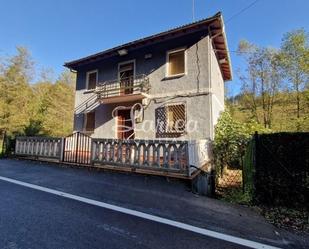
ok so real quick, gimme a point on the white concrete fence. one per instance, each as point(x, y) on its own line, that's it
point(179, 157)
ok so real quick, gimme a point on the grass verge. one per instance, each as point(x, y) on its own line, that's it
point(292, 219)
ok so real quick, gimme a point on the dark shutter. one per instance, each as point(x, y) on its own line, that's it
point(90, 121)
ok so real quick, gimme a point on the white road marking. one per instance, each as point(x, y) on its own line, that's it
point(184, 226)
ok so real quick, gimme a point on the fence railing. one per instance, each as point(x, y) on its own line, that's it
point(125, 86)
point(39, 147)
point(153, 155)
point(149, 154)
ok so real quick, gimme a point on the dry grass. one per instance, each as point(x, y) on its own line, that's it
point(231, 178)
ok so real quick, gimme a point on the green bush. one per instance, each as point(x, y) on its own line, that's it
point(230, 142)
point(248, 169)
point(237, 196)
point(233, 150)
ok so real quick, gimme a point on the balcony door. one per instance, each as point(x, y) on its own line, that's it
point(124, 125)
point(126, 77)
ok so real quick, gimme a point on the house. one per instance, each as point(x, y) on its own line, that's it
point(167, 86)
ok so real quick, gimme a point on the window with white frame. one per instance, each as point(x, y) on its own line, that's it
point(176, 62)
point(92, 79)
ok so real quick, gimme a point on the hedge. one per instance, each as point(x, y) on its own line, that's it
point(281, 162)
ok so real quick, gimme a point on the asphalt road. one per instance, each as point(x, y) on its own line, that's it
point(31, 218)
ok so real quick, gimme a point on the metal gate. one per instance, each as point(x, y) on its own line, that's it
point(77, 148)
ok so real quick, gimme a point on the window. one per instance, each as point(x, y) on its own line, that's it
point(89, 121)
point(175, 118)
point(92, 79)
point(176, 62)
point(171, 120)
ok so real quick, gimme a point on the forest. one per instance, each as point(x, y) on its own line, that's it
point(34, 105)
point(274, 85)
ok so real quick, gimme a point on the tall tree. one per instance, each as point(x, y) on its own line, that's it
point(261, 81)
point(37, 108)
point(16, 93)
point(295, 61)
point(59, 118)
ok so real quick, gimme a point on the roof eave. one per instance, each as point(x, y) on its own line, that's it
point(73, 65)
point(227, 49)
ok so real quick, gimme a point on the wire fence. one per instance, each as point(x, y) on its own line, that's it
point(281, 169)
point(229, 181)
point(274, 171)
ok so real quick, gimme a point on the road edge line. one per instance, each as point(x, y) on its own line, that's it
point(181, 225)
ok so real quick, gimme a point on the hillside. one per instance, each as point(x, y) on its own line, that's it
point(284, 111)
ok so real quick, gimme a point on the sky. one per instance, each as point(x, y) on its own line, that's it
point(56, 31)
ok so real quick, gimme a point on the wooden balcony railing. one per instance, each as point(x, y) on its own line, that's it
point(122, 87)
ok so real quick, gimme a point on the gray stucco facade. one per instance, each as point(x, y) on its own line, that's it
point(151, 85)
point(201, 88)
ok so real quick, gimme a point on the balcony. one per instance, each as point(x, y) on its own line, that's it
point(123, 90)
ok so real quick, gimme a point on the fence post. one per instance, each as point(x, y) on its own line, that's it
point(255, 145)
point(187, 158)
point(7, 143)
point(76, 147)
point(92, 151)
point(62, 148)
point(2, 146)
point(255, 161)
point(243, 172)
